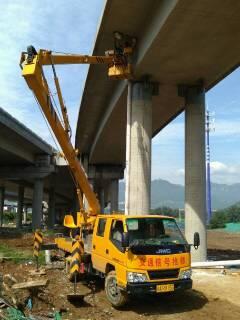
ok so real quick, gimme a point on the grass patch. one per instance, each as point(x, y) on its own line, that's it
point(17, 255)
point(49, 233)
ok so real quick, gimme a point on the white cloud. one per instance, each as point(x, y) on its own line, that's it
point(223, 173)
point(220, 172)
point(180, 172)
point(217, 167)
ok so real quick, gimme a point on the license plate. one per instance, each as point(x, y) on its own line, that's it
point(165, 287)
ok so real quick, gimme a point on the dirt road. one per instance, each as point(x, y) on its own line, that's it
point(223, 240)
point(214, 296)
point(206, 301)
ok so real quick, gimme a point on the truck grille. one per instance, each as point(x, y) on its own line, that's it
point(163, 274)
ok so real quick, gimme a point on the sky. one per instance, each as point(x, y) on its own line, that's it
point(223, 103)
point(71, 26)
point(62, 26)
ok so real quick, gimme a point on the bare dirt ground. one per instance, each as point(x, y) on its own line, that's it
point(223, 245)
point(214, 295)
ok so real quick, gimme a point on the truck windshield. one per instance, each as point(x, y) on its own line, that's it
point(154, 231)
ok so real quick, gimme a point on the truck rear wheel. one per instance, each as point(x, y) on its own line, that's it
point(116, 296)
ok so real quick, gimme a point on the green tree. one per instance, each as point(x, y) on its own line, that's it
point(9, 216)
point(218, 220)
point(233, 213)
point(165, 211)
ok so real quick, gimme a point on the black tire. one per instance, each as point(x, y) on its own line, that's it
point(115, 296)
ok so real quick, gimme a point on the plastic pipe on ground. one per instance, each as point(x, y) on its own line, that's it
point(206, 264)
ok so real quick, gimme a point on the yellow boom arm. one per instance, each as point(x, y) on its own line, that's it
point(33, 74)
point(32, 64)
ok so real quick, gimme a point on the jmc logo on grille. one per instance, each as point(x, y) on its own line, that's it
point(163, 251)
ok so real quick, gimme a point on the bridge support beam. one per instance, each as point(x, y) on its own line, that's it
point(37, 204)
point(114, 189)
point(51, 208)
point(102, 199)
point(195, 170)
point(20, 206)
point(105, 178)
point(138, 148)
point(25, 214)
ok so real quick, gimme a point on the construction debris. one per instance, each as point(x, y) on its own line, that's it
point(15, 314)
point(40, 272)
point(4, 303)
point(57, 265)
point(8, 279)
point(30, 284)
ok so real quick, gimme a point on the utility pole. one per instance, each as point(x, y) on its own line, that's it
point(209, 128)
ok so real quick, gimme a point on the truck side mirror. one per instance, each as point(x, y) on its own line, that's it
point(196, 240)
point(125, 240)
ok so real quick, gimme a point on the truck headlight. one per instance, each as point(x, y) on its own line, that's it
point(185, 274)
point(136, 277)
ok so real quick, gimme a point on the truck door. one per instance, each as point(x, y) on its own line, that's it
point(116, 251)
point(99, 245)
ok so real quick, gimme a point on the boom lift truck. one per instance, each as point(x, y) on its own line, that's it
point(136, 254)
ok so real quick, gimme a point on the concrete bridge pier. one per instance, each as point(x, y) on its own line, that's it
point(101, 195)
point(37, 203)
point(51, 208)
point(114, 191)
point(195, 171)
point(111, 192)
point(105, 178)
point(25, 214)
point(138, 148)
point(20, 206)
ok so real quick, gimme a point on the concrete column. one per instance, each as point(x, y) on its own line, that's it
point(85, 165)
point(195, 170)
point(102, 199)
point(114, 188)
point(37, 203)
point(76, 204)
point(138, 148)
point(85, 202)
point(51, 208)
point(85, 162)
point(25, 214)
point(2, 198)
point(20, 206)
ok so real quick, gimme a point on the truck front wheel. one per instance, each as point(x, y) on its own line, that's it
point(116, 296)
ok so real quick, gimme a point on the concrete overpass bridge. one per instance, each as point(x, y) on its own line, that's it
point(29, 174)
point(186, 47)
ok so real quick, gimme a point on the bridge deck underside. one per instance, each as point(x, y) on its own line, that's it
point(179, 42)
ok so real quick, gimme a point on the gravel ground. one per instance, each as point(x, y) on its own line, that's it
point(214, 295)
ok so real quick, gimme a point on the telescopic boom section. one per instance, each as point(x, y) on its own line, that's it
point(119, 67)
point(47, 58)
point(32, 72)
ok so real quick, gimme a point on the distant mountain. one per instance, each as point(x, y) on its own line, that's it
point(224, 195)
point(168, 194)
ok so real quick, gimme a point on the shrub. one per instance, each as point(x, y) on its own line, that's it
point(218, 220)
point(165, 211)
point(9, 216)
